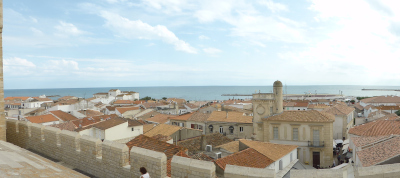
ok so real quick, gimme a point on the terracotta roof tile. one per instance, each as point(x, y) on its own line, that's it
point(302, 116)
point(92, 120)
point(163, 129)
point(122, 110)
point(108, 123)
point(358, 106)
point(43, 99)
point(201, 156)
point(111, 108)
point(395, 108)
point(246, 158)
point(90, 112)
point(16, 98)
point(382, 99)
point(160, 118)
point(42, 118)
point(223, 116)
point(271, 150)
point(380, 152)
point(148, 105)
point(148, 115)
point(231, 108)
point(183, 117)
point(315, 106)
point(124, 102)
point(169, 150)
point(133, 123)
point(214, 139)
point(65, 126)
point(63, 115)
point(386, 125)
point(232, 147)
point(301, 104)
point(161, 137)
point(339, 109)
point(191, 106)
point(148, 127)
point(362, 141)
point(67, 98)
point(199, 117)
point(67, 102)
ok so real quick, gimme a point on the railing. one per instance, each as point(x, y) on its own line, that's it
point(316, 144)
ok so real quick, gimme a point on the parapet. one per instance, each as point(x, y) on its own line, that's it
point(233, 171)
point(186, 167)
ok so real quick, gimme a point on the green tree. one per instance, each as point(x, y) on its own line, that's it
point(146, 98)
point(164, 98)
point(398, 112)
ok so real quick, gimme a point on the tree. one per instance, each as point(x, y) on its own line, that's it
point(352, 101)
point(164, 98)
point(398, 112)
point(146, 98)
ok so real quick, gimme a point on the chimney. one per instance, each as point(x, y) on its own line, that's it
point(203, 142)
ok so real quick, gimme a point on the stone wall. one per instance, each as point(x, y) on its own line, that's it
point(317, 173)
point(92, 156)
point(233, 171)
point(381, 171)
point(186, 167)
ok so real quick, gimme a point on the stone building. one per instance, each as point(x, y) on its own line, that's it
point(234, 125)
point(266, 104)
point(310, 130)
point(344, 119)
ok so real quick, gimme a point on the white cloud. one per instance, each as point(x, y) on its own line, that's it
point(36, 31)
point(273, 6)
point(15, 61)
point(211, 50)
point(33, 19)
point(136, 29)
point(202, 37)
point(63, 65)
point(68, 29)
point(167, 6)
point(151, 44)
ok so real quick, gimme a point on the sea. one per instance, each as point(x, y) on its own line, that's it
point(203, 93)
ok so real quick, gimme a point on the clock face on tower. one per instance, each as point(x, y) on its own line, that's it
point(260, 109)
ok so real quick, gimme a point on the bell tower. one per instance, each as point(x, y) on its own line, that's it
point(264, 105)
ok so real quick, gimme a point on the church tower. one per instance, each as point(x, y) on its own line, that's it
point(265, 105)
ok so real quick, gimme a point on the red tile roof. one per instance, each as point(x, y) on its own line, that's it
point(183, 117)
point(302, 116)
point(109, 123)
point(124, 102)
point(65, 126)
point(122, 110)
point(90, 112)
point(42, 118)
point(301, 104)
point(194, 144)
point(169, 150)
point(271, 150)
point(133, 123)
point(92, 120)
point(63, 115)
point(382, 99)
point(246, 158)
point(12, 98)
point(380, 152)
point(232, 116)
point(339, 109)
point(386, 125)
point(160, 118)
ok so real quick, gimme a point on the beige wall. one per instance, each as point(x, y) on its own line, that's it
point(247, 129)
point(2, 114)
point(305, 134)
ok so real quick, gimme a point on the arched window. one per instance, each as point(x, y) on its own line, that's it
point(221, 129)
point(280, 165)
point(211, 128)
point(231, 129)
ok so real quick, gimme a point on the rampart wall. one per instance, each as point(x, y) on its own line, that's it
point(111, 159)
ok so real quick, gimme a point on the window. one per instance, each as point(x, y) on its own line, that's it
point(211, 128)
point(221, 129)
point(200, 127)
point(295, 133)
point(316, 137)
point(241, 129)
point(231, 129)
point(133, 129)
point(271, 110)
point(276, 133)
point(280, 165)
point(291, 157)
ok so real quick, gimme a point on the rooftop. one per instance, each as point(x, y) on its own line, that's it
point(163, 129)
point(271, 150)
point(199, 117)
point(42, 118)
point(183, 117)
point(232, 147)
point(380, 152)
point(122, 110)
point(124, 102)
point(302, 116)
point(382, 99)
point(339, 109)
point(223, 116)
point(362, 141)
point(385, 125)
point(133, 123)
point(194, 144)
point(90, 112)
point(247, 158)
point(108, 123)
point(63, 115)
point(65, 126)
point(160, 118)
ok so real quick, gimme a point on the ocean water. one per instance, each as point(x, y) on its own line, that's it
point(207, 92)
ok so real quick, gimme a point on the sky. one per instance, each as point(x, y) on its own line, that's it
point(124, 43)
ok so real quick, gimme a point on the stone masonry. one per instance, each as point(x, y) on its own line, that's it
point(154, 162)
point(186, 167)
point(233, 171)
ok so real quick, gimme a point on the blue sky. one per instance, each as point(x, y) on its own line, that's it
point(123, 43)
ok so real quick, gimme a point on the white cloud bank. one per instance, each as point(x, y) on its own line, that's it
point(136, 29)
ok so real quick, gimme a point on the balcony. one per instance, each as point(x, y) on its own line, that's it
point(316, 144)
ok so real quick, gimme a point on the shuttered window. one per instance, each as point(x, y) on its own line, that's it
point(276, 133)
point(295, 134)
